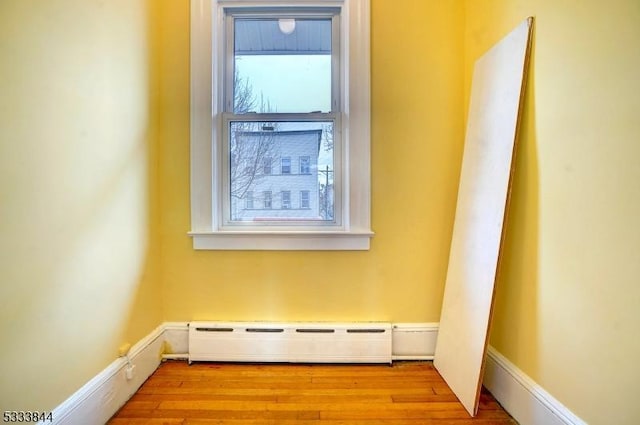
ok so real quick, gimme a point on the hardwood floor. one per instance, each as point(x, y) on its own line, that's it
point(407, 393)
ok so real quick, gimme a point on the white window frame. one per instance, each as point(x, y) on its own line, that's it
point(207, 86)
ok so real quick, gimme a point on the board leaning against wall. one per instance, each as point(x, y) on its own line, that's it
point(485, 180)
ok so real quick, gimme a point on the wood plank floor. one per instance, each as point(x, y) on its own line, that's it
point(407, 393)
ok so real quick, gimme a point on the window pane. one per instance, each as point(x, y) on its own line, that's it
point(267, 199)
point(267, 49)
point(285, 168)
point(286, 200)
point(305, 162)
point(285, 193)
point(266, 165)
point(304, 199)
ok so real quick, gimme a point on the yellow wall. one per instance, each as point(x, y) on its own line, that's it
point(94, 193)
point(568, 300)
point(417, 95)
point(77, 270)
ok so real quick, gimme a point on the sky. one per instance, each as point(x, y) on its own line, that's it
point(291, 83)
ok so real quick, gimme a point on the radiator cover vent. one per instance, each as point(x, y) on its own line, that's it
point(368, 342)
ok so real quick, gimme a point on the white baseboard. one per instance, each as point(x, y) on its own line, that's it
point(414, 341)
point(101, 397)
point(522, 397)
point(411, 341)
point(176, 336)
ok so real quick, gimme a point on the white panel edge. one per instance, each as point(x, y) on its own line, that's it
point(200, 170)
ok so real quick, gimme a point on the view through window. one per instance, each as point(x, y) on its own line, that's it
point(282, 67)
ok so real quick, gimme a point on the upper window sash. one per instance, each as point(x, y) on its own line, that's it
point(261, 14)
point(232, 14)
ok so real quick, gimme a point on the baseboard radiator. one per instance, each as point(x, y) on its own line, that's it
point(290, 342)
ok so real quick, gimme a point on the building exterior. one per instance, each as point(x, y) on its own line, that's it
point(274, 175)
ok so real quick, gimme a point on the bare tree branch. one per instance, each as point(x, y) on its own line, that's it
point(250, 145)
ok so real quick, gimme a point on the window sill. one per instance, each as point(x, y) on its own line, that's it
point(282, 241)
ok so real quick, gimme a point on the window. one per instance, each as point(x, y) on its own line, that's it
point(249, 200)
point(280, 79)
point(286, 199)
point(266, 195)
point(286, 165)
point(266, 166)
point(305, 161)
point(304, 199)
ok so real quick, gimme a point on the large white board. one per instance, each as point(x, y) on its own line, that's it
point(483, 195)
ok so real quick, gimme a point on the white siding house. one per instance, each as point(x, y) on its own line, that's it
point(275, 176)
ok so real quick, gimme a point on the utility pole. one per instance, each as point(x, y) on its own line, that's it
point(326, 172)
